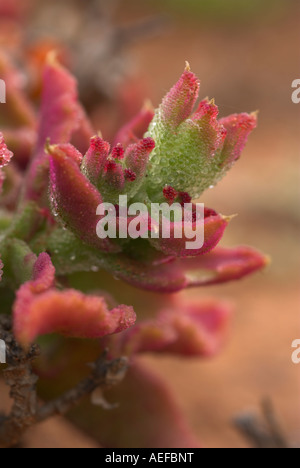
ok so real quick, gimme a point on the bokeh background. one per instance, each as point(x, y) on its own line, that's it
point(246, 54)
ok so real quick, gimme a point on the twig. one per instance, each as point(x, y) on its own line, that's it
point(262, 434)
point(19, 376)
point(274, 426)
point(22, 382)
point(101, 9)
point(145, 28)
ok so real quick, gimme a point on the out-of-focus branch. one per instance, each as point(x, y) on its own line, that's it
point(265, 433)
point(19, 376)
point(96, 41)
point(100, 61)
point(147, 27)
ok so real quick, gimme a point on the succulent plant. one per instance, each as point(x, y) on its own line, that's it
point(48, 230)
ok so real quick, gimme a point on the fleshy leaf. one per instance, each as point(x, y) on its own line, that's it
point(146, 268)
point(172, 275)
point(189, 154)
point(213, 226)
point(18, 260)
point(95, 159)
point(70, 313)
point(136, 157)
point(201, 328)
point(39, 309)
point(43, 276)
point(178, 104)
point(71, 152)
point(238, 128)
point(136, 161)
point(74, 199)
point(117, 172)
point(26, 222)
point(60, 116)
point(112, 182)
point(185, 328)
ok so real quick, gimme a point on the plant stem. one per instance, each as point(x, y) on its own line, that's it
point(20, 377)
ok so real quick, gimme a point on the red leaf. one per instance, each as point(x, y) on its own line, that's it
point(75, 199)
point(178, 104)
point(70, 313)
point(238, 127)
point(61, 115)
point(213, 226)
point(212, 133)
point(169, 274)
point(39, 309)
point(137, 156)
point(95, 159)
point(185, 328)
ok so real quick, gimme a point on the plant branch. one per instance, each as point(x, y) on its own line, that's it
point(22, 382)
point(19, 376)
point(262, 434)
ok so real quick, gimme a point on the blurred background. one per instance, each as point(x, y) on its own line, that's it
point(246, 54)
